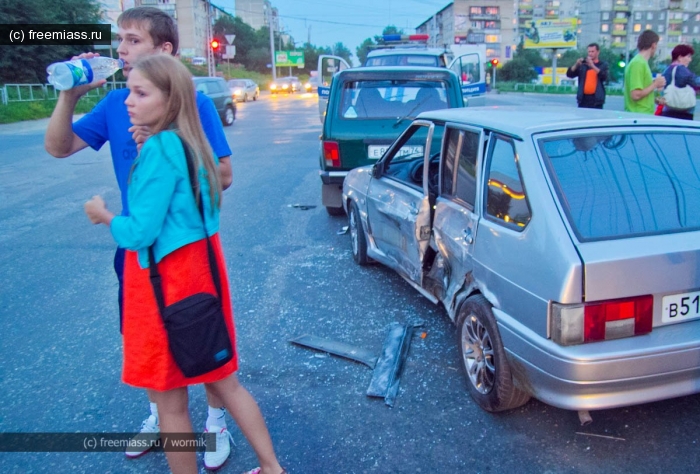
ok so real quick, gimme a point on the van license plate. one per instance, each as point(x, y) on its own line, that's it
point(375, 152)
point(680, 307)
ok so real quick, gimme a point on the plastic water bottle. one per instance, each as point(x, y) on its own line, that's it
point(68, 74)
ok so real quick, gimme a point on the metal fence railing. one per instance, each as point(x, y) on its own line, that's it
point(33, 92)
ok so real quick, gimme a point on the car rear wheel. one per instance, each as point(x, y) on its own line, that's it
point(357, 236)
point(484, 361)
point(229, 116)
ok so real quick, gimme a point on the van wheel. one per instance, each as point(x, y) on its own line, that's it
point(229, 116)
point(357, 236)
point(484, 361)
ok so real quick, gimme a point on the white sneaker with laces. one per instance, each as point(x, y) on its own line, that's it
point(215, 459)
point(147, 437)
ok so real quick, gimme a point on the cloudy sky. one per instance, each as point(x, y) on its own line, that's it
point(347, 21)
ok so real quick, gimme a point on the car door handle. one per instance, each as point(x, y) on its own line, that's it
point(468, 237)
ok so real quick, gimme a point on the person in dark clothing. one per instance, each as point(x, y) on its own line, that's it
point(592, 73)
point(680, 58)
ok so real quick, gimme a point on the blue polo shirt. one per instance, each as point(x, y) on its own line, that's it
point(109, 121)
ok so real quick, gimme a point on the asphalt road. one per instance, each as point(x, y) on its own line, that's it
point(291, 274)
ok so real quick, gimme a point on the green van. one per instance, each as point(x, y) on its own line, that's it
point(367, 108)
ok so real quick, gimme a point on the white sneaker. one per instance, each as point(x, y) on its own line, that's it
point(215, 459)
point(147, 437)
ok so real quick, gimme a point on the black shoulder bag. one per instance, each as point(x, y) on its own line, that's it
point(196, 328)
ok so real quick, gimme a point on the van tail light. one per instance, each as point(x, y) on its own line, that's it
point(331, 153)
point(600, 321)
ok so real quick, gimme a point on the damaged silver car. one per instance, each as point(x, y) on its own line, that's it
point(564, 244)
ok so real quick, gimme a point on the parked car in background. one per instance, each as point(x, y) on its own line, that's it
point(564, 244)
point(244, 89)
point(218, 91)
point(367, 109)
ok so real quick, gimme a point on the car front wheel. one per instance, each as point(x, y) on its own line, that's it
point(484, 361)
point(357, 236)
point(229, 116)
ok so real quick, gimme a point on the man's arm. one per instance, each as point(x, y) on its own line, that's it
point(60, 140)
point(658, 83)
point(603, 71)
point(225, 172)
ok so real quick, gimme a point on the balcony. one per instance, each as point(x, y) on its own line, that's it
point(617, 44)
point(674, 33)
point(674, 21)
point(619, 33)
point(621, 8)
point(622, 21)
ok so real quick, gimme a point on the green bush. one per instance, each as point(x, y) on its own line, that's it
point(38, 109)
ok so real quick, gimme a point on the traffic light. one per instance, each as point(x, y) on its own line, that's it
point(621, 63)
point(489, 64)
point(494, 62)
point(215, 45)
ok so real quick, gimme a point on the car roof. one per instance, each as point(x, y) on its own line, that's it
point(523, 121)
point(207, 78)
point(411, 71)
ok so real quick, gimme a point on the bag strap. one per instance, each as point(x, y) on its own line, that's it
point(156, 281)
point(673, 75)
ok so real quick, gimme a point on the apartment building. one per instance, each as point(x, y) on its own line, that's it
point(618, 23)
point(474, 22)
point(254, 13)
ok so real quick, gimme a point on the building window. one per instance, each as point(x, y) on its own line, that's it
point(650, 16)
point(475, 10)
point(685, 29)
point(492, 39)
point(491, 25)
point(696, 29)
point(618, 27)
point(647, 27)
point(661, 28)
point(662, 15)
point(492, 10)
point(604, 28)
point(606, 15)
point(637, 15)
point(637, 28)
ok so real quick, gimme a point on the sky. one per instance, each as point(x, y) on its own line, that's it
point(348, 21)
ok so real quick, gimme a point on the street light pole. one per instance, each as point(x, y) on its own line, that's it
point(272, 40)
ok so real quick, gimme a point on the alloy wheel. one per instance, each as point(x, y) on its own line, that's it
point(478, 354)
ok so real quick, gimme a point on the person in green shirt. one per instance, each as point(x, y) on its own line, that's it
point(639, 84)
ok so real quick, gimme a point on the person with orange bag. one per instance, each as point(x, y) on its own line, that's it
point(592, 73)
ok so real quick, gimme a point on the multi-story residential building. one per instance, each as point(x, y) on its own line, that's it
point(489, 23)
point(191, 17)
point(618, 23)
point(254, 13)
point(533, 10)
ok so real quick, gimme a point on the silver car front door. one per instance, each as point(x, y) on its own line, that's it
point(398, 206)
point(456, 211)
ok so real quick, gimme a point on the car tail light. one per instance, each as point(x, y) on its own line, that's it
point(599, 321)
point(331, 153)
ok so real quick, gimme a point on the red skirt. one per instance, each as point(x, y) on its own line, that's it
point(184, 272)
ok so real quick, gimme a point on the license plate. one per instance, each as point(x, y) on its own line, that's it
point(376, 151)
point(680, 307)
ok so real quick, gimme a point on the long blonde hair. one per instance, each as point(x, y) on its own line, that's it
point(175, 81)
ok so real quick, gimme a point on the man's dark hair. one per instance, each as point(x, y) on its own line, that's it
point(681, 50)
point(646, 40)
point(594, 45)
point(159, 24)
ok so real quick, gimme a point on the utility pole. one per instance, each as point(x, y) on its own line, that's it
point(272, 40)
point(211, 66)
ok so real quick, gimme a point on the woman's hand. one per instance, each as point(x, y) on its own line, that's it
point(97, 211)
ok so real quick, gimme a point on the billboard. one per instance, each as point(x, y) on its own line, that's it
point(289, 58)
point(551, 34)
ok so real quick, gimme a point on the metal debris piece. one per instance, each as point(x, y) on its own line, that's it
point(337, 348)
point(303, 207)
point(600, 436)
point(343, 230)
point(387, 373)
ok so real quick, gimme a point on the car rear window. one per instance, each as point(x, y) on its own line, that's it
point(391, 99)
point(627, 184)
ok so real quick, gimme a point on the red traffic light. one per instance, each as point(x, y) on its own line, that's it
point(214, 45)
point(494, 62)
